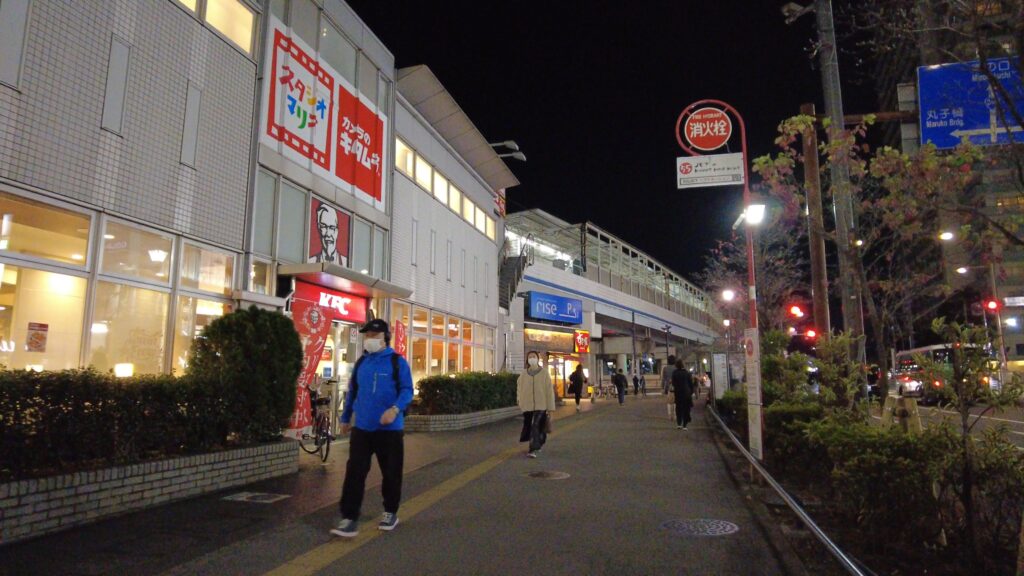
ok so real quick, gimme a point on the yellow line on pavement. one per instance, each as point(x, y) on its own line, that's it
point(326, 554)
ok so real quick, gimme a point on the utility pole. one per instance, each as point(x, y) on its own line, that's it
point(815, 226)
point(842, 201)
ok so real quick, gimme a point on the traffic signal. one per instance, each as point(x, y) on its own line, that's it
point(992, 305)
point(796, 311)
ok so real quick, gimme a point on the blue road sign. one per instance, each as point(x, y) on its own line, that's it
point(956, 101)
point(544, 306)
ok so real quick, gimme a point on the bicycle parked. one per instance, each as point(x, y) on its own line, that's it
point(318, 441)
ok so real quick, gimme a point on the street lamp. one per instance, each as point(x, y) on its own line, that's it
point(728, 295)
point(515, 155)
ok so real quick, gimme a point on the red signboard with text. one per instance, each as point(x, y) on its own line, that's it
point(581, 341)
point(707, 129)
point(400, 338)
point(360, 145)
point(313, 325)
point(336, 305)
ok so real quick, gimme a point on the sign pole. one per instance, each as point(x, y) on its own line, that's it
point(753, 353)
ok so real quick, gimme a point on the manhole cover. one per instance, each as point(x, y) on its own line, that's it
point(548, 475)
point(256, 497)
point(700, 527)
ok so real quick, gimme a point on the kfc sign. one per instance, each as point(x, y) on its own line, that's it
point(342, 306)
point(581, 341)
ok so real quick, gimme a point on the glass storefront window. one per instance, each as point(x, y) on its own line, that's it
point(136, 253)
point(419, 357)
point(437, 324)
point(41, 315)
point(454, 327)
point(437, 364)
point(400, 313)
point(467, 358)
point(419, 320)
point(34, 229)
point(480, 360)
point(191, 318)
point(489, 336)
point(467, 330)
point(404, 157)
point(207, 270)
point(489, 360)
point(478, 334)
point(128, 328)
point(261, 278)
point(453, 357)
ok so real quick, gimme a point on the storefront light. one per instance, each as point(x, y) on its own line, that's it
point(157, 255)
point(99, 328)
point(124, 370)
point(77, 257)
point(34, 367)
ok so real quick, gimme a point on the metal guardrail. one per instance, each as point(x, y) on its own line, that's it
point(850, 564)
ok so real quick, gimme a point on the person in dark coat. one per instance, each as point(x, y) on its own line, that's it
point(636, 385)
point(576, 383)
point(619, 380)
point(682, 387)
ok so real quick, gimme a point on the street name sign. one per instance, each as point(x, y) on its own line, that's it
point(956, 101)
point(711, 170)
point(707, 129)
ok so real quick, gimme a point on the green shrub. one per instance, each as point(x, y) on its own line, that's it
point(466, 392)
point(788, 449)
point(254, 356)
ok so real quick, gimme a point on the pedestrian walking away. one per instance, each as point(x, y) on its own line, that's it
point(577, 381)
point(682, 387)
point(536, 398)
point(378, 393)
point(666, 382)
point(620, 385)
point(636, 385)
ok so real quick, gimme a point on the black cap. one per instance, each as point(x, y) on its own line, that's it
point(376, 325)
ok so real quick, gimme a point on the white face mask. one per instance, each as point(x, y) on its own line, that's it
point(532, 361)
point(373, 344)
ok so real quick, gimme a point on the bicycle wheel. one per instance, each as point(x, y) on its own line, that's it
point(310, 442)
point(324, 439)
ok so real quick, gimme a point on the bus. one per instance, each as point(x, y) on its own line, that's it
point(911, 381)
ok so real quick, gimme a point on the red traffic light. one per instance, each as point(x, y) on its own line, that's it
point(812, 333)
point(796, 311)
point(992, 305)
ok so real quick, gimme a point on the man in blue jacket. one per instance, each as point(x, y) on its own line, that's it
point(378, 393)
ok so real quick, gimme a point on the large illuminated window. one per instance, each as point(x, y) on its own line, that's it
point(440, 188)
point(41, 316)
point(207, 270)
point(234, 20)
point(453, 357)
point(481, 221)
point(136, 253)
point(419, 320)
point(34, 229)
point(490, 228)
point(454, 199)
point(423, 173)
point(128, 326)
point(404, 158)
point(419, 357)
point(467, 358)
point(437, 327)
point(468, 209)
point(191, 318)
point(437, 361)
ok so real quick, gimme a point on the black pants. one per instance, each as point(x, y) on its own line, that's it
point(389, 446)
point(683, 413)
point(533, 429)
point(577, 394)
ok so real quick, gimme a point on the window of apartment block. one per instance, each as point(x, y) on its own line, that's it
point(404, 158)
point(41, 316)
point(206, 270)
point(192, 316)
point(34, 229)
point(13, 23)
point(360, 251)
point(291, 223)
point(467, 330)
point(337, 51)
point(128, 329)
point(480, 360)
point(135, 253)
point(440, 187)
point(263, 214)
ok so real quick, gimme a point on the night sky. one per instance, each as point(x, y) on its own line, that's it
point(592, 95)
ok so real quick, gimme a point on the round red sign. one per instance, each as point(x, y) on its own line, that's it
point(707, 129)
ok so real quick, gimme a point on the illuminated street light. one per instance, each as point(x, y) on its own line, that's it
point(728, 295)
point(961, 270)
point(755, 214)
point(946, 236)
point(726, 322)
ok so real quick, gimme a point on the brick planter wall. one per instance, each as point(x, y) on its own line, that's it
point(420, 423)
point(30, 508)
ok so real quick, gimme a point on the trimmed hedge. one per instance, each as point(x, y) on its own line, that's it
point(466, 392)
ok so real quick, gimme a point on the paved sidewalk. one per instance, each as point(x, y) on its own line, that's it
point(470, 506)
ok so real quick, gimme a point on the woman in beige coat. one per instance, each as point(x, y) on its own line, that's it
point(536, 397)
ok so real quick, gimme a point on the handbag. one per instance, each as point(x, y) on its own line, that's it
point(547, 424)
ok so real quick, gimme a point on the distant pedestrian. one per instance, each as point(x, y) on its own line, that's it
point(536, 398)
point(619, 379)
point(379, 391)
point(577, 380)
point(636, 385)
point(643, 385)
point(682, 387)
point(666, 374)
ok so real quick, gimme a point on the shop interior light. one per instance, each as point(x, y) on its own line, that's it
point(77, 257)
point(157, 255)
point(99, 328)
point(124, 370)
point(34, 367)
point(108, 236)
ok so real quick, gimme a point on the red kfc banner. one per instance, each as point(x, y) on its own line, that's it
point(313, 324)
point(400, 346)
point(360, 145)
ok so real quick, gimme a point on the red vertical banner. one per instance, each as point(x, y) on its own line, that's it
point(400, 341)
point(313, 324)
